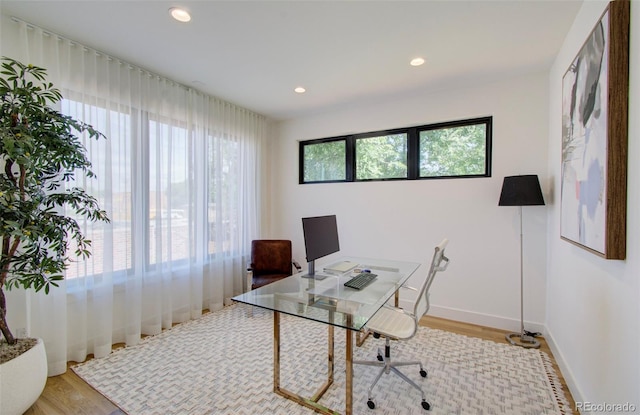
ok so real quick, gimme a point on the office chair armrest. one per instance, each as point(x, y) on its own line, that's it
point(446, 264)
point(409, 288)
point(298, 267)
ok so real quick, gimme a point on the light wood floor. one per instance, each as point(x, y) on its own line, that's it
point(68, 394)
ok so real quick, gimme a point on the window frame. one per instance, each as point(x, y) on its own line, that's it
point(349, 158)
point(374, 134)
point(140, 120)
point(413, 151)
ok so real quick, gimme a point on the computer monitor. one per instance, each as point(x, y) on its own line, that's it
point(320, 238)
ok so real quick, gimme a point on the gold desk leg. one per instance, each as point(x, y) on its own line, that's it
point(308, 402)
point(348, 396)
point(361, 336)
point(330, 362)
point(276, 351)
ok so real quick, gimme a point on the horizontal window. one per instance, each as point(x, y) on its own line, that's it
point(324, 161)
point(452, 149)
point(381, 157)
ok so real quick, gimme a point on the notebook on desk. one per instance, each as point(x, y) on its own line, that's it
point(340, 267)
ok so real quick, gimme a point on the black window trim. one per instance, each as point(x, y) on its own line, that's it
point(413, 151)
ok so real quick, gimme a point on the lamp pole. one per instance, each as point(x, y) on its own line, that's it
point(523, 190)
point(525, 339)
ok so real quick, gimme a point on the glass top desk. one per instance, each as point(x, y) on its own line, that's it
point(328, 301)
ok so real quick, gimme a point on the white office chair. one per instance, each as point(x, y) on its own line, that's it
point(397, 324)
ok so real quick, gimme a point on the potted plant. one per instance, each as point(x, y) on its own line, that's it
point(40, 155)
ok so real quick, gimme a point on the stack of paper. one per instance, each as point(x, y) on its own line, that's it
point(341, 267)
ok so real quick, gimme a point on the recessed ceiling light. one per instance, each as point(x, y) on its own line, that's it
point(179, 14)
point(417, 61)
point(300, 90)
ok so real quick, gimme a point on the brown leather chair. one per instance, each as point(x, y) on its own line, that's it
point(271, 260)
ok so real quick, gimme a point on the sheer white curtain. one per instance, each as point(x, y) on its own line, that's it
point(178, 176)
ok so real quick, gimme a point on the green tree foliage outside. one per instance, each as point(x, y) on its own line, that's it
point(450, 151)
point(382, 157)
point(325, 161)
point(458, 151)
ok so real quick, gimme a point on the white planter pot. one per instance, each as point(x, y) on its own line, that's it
point(22, 380)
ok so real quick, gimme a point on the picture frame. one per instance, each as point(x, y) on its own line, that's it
point(595, 90)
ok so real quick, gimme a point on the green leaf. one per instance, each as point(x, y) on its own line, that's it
point(44, 144)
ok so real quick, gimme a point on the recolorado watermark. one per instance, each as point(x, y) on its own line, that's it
point(605, 407)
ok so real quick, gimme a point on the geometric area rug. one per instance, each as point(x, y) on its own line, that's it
point(222, 363)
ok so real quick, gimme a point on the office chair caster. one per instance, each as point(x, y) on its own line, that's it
point(370, 404)
point(425, 405)
point(380, 357)
point(423, 373)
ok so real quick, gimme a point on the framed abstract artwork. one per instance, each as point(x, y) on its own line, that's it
point(595, 92)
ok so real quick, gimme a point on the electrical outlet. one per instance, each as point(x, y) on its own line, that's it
point(21, 333)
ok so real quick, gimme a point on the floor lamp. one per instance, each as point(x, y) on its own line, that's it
point(521, 191)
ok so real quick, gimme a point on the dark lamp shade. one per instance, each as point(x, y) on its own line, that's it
point(521, 191)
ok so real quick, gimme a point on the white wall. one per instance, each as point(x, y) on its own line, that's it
point(406, 219)
point(593, 304)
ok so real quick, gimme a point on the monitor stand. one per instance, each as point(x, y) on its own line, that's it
point(311, 266)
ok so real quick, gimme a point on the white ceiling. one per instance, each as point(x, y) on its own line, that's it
point(253, 53)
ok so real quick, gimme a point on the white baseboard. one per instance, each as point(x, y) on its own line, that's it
point(504, 323)
point(566, 371)
point(486, 320)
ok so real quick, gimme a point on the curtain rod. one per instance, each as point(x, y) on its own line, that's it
point(130, 65)
point(84, 47)
point(103, 54)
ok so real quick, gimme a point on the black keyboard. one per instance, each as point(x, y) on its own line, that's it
point(361, 280)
